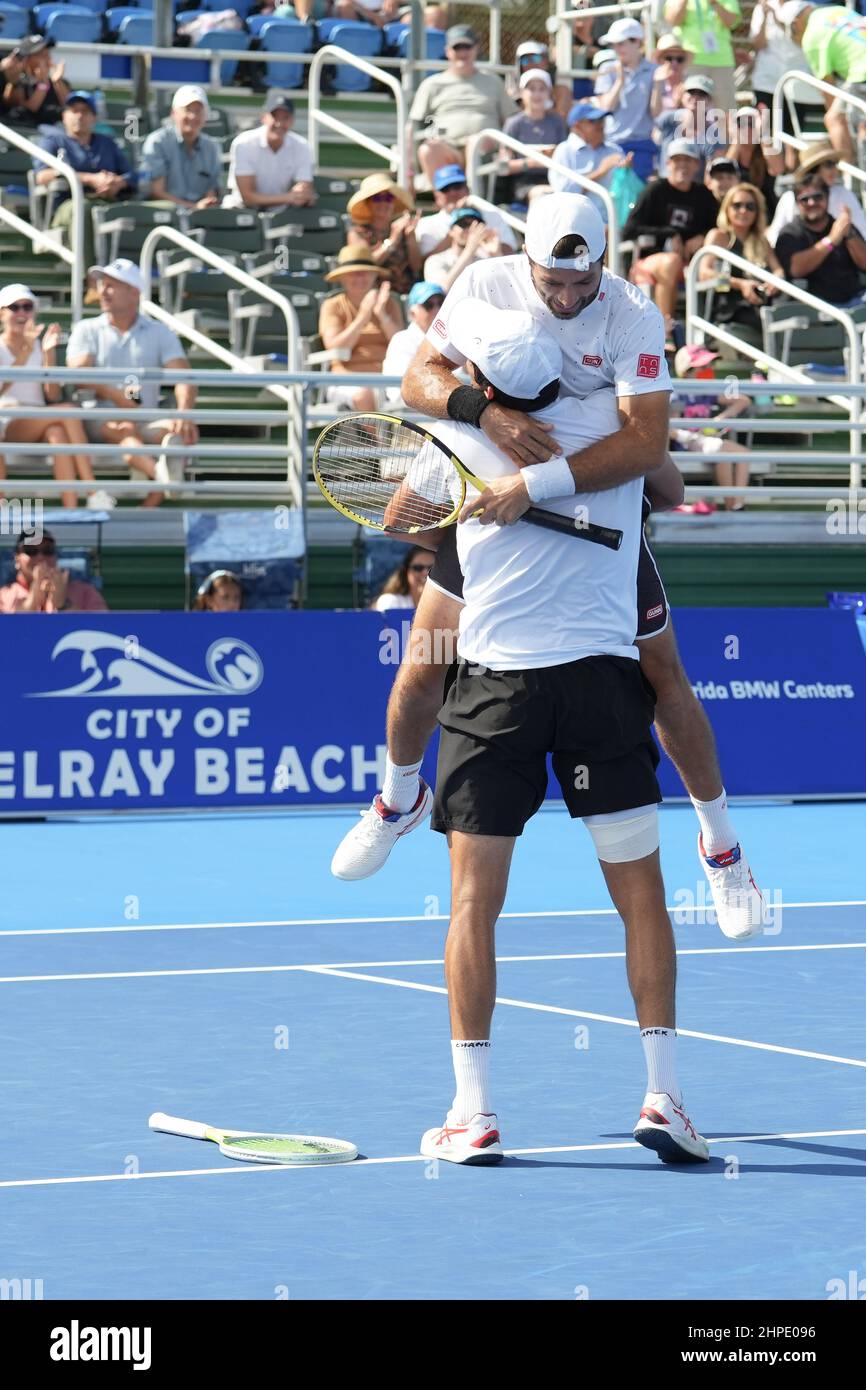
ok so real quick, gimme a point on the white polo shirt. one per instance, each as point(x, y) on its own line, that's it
point(618, 340)
point(274, 170)
point(148, 343)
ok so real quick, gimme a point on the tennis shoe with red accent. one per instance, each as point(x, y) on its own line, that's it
point(740, 909)
point(366, 847)
point(665, 1127)
point(476, 1142)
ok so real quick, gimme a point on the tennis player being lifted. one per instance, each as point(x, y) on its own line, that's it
point(611, 337)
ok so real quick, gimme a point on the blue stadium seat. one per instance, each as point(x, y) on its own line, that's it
point(15, 23)
point(228, 39)
point(364, 40)
point(69, 24)
point(26, 5)
point(115, 17)
point(397, 38)
point(285, 36)
point(241, 7)
point(94, 6)
point(136, 29)
point(43, 10)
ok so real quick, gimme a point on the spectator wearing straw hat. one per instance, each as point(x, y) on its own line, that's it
point(587, 151)
point(383, 218)
point(673, 61)
point(624, 90)
point(182, 162)
point(363, 317)
point(705, 27)
point(824, 161)
point(270, 166)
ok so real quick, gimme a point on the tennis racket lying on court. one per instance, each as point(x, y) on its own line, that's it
point(392, 475)
point(259, 1148)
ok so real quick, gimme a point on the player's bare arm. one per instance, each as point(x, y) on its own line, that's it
point(664, 487)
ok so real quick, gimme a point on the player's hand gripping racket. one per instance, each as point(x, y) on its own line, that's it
point(259, 1148)
point(392, 475)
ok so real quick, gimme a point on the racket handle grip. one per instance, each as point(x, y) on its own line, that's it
point(552, 521)
point(170, 1124)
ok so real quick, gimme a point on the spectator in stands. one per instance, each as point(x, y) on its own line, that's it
point(537, 124)
point(624, 89)
point(534, 56)
point(40, 587)
point(822, 160)
point(424, 302)
point(705, 27)
point(270, 166)
point(378, 12)
point(181, 162)
point(696, 120)
point(828, 253)
point(122, 336)
point(775, 54)
point(759, 161)
point(383, 218)
point(308, 11)
point(741, 228)
point(403, 589)
point(587, 35)
point(694, 359)
point(450, 190)
point(676, 212)
point(471, 240)
point(587, 152)
point(832, 40)
point(23, 344)
point(34, 88)
point(673, 60)
point(364, 318)
point(103, 168)
point(452, 106)
point(722, 173)
point(220, 592)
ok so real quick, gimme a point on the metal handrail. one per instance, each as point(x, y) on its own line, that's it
point(559, 24)
point(780, 136)
point(72, 254)
point(855, 346)
point(531, 152)
point(397, 157)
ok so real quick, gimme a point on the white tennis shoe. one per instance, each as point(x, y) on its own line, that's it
point(366, 847)
point(666, 1128)
point(476, 1142)
point(740, 909)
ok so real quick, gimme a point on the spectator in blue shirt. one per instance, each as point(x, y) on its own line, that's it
point(103, 169)
point(587, 152)
point(624, 89)
point(182, 163)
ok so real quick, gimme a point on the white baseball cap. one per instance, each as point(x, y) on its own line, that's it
point(127, 272)
point(185, 96)
point(559, 215)
point(10, 294)
point(623, 29)
point(791, 10)
point(513, 350)
point(534, 75)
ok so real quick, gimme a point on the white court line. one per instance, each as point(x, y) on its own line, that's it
point(366, 921)
point(248, 1168)
point(597, 1018)
point(393, 964)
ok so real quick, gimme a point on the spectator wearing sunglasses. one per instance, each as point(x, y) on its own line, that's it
point(673, 60)
point(533, 56)
point(452, 106)
point(423, 304)
point(25, 343)
point(40, 587)
point(384, 219)
point(471, 240)
point(822, 160)
point(403, 588)
point(827, 252)
point(694, 120)
point(741, 228)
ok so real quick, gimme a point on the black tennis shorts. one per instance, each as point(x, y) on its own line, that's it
point(497, 727)
point(652, 603)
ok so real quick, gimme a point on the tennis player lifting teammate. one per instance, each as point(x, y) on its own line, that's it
point(611, 337)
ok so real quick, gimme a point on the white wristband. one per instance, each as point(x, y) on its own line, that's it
point(545, 480)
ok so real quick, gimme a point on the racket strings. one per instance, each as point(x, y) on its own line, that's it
point(388, 474)
point(276, 1144)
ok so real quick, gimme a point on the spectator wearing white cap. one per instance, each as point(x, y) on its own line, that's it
point(676, 212)
point(122, 336)
point(26, 343)
point(533, 55)
point(180, 161)
point(537, 125)
point(705, 27)
point(833, 40)
point(624, 89)
point(270, 166)
point(587, 152)
point(695, 120)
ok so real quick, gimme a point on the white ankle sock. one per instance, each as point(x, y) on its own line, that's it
point(472, 1073)
point(717, 830)
point(401, 785)
point(660, 1051)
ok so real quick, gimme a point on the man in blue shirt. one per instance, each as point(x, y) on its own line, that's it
point(696, 120)
point(587, 152)
point(624, 90)
point(103, 168)
point(181, 163)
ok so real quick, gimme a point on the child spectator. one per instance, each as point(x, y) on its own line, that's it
point(220, 592)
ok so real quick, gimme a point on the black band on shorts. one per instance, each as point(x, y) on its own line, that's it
point(446, 573)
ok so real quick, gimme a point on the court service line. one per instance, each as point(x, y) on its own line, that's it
point(597, 1018)
point(394, 964)
point(369, 921)
point(249, 1168)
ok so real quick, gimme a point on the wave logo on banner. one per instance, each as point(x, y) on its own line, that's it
point(115, 666)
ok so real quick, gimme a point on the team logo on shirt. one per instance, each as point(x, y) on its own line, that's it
point(655, 612)
point(439, 327)
point(590, 361)
point(648, 364)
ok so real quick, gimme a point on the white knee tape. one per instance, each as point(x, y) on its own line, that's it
point(622, 836)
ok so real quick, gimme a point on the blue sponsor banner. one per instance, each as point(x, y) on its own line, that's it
point(142, 711)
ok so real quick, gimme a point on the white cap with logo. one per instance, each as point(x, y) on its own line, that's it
point(512, 349)
point(561, 215)
point(127, 272)
point(185, 96)
point(11, 294)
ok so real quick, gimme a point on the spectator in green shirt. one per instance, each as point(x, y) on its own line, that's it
point(704, 27)
point(833, 39)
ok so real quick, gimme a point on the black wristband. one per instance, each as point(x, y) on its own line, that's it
point(467, 405)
